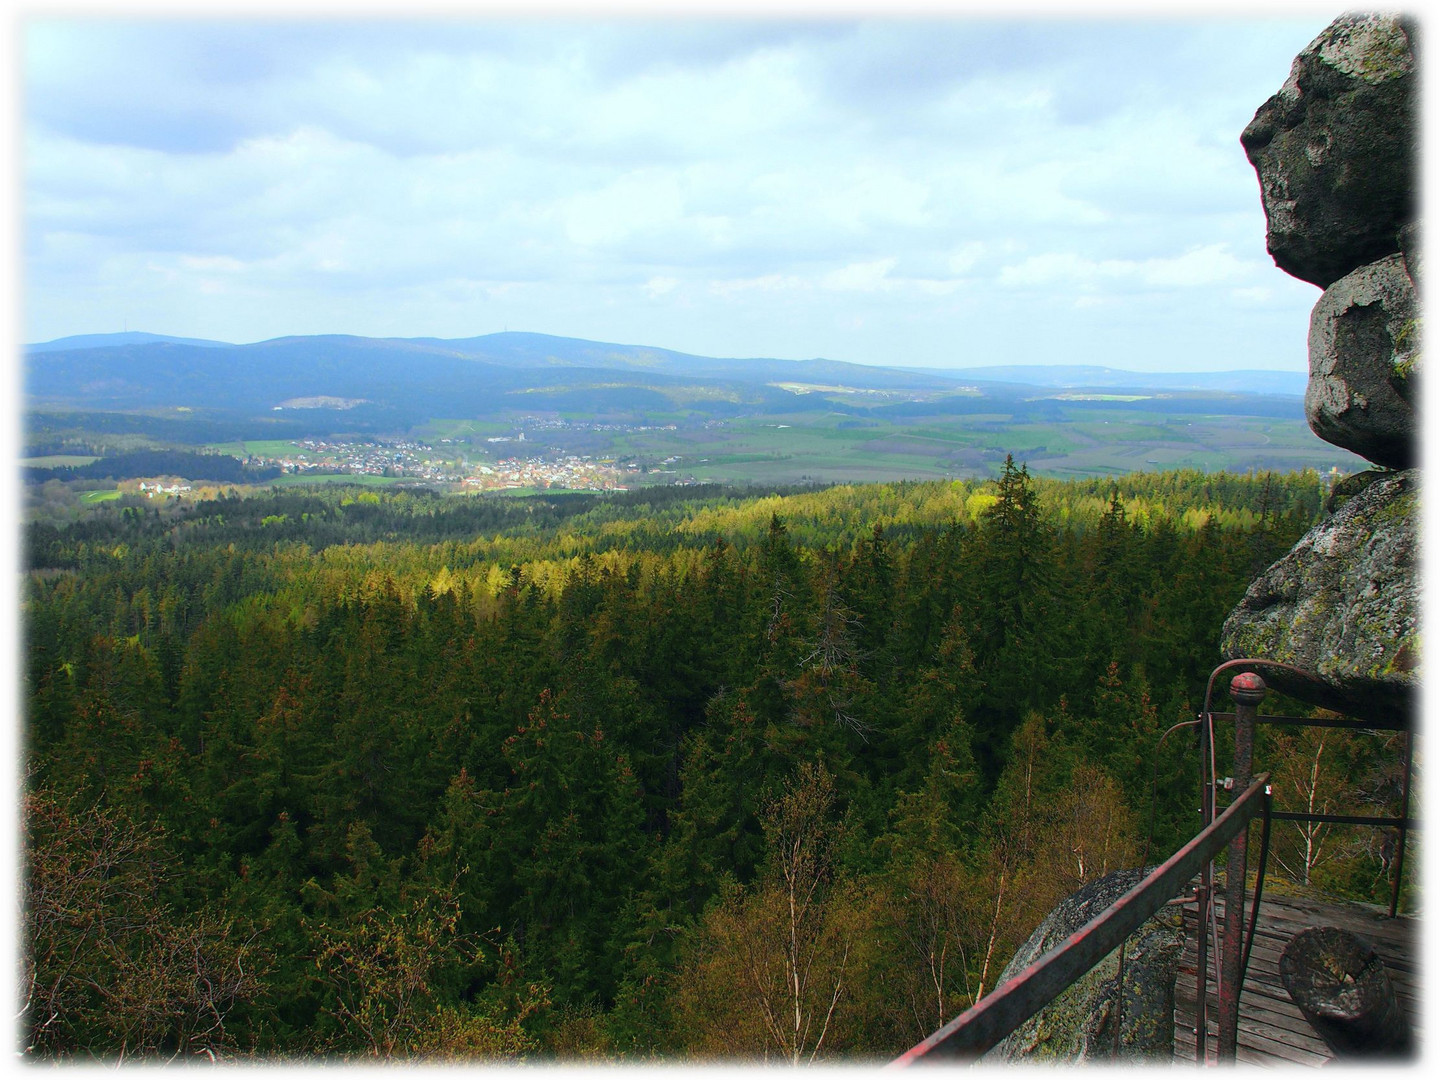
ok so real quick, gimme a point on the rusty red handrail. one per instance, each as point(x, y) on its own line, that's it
point(1009, 1005)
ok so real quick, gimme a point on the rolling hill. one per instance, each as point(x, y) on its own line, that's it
point(400, 379)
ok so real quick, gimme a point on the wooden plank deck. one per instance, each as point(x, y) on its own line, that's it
point(1272, 1031)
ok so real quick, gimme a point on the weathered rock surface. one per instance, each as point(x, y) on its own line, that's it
point(1412, 251)
point(1364, 364)
point(1335, 149)
point(1347, 487)
point(1344, 604)
point(1080, 1025)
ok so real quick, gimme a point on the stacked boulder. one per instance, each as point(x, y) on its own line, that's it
point(1335, 152)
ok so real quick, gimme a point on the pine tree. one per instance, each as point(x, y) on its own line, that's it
point(1012, 610)
point(563, 848)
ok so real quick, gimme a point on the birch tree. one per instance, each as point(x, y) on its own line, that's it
point(770, 974)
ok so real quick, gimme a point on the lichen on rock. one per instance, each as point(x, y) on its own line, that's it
point(1364, 364)
point(1344, 605)
point(1082, 1024)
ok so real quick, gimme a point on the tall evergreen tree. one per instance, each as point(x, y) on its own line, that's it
point(1014, 594)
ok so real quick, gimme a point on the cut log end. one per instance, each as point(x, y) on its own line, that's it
point(1340, 985)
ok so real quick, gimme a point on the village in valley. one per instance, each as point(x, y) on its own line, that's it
point(506, 462)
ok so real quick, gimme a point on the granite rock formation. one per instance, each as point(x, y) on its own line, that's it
point(1335, 149)
point(1335, 154)
point(1081, 1025)
point(1343, 605)
point(1364, 352)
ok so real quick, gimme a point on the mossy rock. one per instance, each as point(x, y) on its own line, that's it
point(1097, 1019)
point(1344, 605)
point(1364, 364)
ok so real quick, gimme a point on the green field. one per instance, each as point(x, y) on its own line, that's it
point(99, 496)
point(273, 448)
point(56, 461)
point(459, 430)
point(830, 447)
point(1063, 436)
point(260, 448)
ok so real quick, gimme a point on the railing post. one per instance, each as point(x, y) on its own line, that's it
point(1204, 896)
point(1404, 822)
point(1202, 960)
point(1205, 893)
point(1247, 690)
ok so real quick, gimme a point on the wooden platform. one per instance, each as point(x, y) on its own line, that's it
point(1272, 1031)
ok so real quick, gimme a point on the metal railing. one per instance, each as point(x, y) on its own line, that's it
point(1248, 690)
point(1402, 824)
point(1016, 1000)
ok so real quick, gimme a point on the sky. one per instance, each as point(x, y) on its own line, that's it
point(939, 190)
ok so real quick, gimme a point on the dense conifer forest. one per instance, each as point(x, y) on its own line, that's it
point(684, 772)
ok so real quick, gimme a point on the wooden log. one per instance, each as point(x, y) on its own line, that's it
point(1340, 985)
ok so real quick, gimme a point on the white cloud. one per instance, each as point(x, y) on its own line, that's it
point(1209, 265)
point(1052, 268)
point(709, 111)
point(921, 177)
point(965, 257)
point(860, 277)
point(933, 286)
point(212, 263)
point(1253, 296)
point(634, 202)
point(767, 283)
point(1204, 266)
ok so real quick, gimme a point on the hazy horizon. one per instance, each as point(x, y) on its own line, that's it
point(636, 344)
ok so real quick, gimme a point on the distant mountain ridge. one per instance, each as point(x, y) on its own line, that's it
point(130, 337)
point(534, 352)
